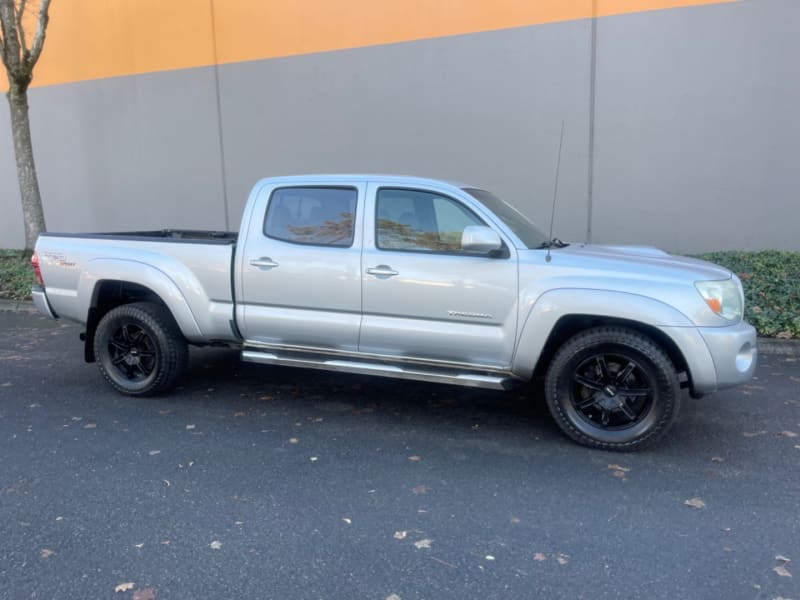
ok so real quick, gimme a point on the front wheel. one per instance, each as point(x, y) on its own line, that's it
point(140, 349)
point(612, 388)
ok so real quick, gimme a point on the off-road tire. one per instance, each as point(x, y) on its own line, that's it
point(140, 349)
point(587, 377)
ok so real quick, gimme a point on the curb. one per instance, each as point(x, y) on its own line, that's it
point(18, 306)
point(769, 346)
point(777, 347)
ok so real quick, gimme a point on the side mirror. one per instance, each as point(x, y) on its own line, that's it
point(480, 240)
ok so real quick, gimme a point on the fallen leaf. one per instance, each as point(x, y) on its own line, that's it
point(539, 556)
point(77, 418)
point(420, 489)
point(313, 459)
point(393, 597)
point(265, 398)
point(789, 434)
point(562, 559)
point(165, 543)
point(753, 433)
point(138, 545)
point(165, 411)
point(695, 503)
point(167, 482)
point(717, 459)
point(783, 559)
point(240, 414)
point(619, 474)
point(415, 458)
point(727, 549)
point(784, 335)
point(515, 520)
point(124, 587)
point(400, 535)
point(616, 467)
point(489, 557)
point(59, 518)
point(346, 520)
point(46, 553)
point(215, 545)
point(144, 594)
point(293, 440)
point(154, 452)
point(191, 426)
point(423, 544)
point(90, 426)
point(781, 570)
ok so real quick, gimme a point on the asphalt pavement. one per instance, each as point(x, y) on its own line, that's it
point(262, 482)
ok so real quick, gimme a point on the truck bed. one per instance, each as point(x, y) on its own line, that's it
point(190, 267)
point(162, 235)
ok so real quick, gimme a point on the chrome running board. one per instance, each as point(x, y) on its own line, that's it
point(381, 369)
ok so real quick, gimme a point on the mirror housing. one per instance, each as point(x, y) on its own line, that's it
point(481, 240)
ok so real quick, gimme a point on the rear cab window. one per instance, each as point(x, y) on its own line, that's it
point(317, 216)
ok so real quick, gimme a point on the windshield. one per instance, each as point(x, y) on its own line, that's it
point(513, 219)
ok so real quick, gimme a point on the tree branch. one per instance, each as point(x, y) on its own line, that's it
point(21, 27)
point(38, 39)
point(8, 25)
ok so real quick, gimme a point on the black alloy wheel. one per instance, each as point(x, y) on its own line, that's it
point(612, 388)
point(140, 349)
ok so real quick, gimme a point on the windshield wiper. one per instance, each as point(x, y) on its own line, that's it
point(554, 243)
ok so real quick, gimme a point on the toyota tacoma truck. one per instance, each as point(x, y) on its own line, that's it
point(409, 278)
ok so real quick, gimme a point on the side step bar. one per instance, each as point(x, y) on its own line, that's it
point(480, 380)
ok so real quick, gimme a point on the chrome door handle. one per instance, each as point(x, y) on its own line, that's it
point(382, 271)
point(264, 262)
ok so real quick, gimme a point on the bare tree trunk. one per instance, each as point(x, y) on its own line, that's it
point(32, 212)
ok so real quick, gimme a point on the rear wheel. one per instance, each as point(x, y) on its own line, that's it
point(612, 388)
point(140, 349)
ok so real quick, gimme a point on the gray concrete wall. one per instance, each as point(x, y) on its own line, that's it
point(695, 127)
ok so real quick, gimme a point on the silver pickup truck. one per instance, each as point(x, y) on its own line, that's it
point(409, 278)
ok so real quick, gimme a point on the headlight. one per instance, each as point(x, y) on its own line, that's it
point(723, 297)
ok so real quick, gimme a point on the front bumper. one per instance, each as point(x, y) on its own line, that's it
point(716, 357)
point(734, 351)
point(41, 303)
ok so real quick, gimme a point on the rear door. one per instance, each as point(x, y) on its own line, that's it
point(300, 267)
point(425, 298)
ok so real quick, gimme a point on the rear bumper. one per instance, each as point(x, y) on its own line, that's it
point(41, 303)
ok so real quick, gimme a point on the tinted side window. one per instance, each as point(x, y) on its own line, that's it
point(319, 216)
point(420, 221)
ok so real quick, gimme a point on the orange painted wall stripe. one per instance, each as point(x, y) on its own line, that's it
point(93, 39)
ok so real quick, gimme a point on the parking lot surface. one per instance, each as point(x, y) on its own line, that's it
point(263, 482)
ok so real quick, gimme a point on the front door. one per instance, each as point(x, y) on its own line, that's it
point(425, 298)
point(300, 281)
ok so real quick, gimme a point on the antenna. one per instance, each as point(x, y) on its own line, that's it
point(555, 195)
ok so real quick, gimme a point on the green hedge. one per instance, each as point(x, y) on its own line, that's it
point(771, 281)
point(771, 285)
point(16, 275)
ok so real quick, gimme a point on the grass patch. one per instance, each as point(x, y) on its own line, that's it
point(16, 275)
point(771, 281)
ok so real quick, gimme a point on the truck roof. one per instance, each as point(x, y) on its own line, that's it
point(370, 177)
